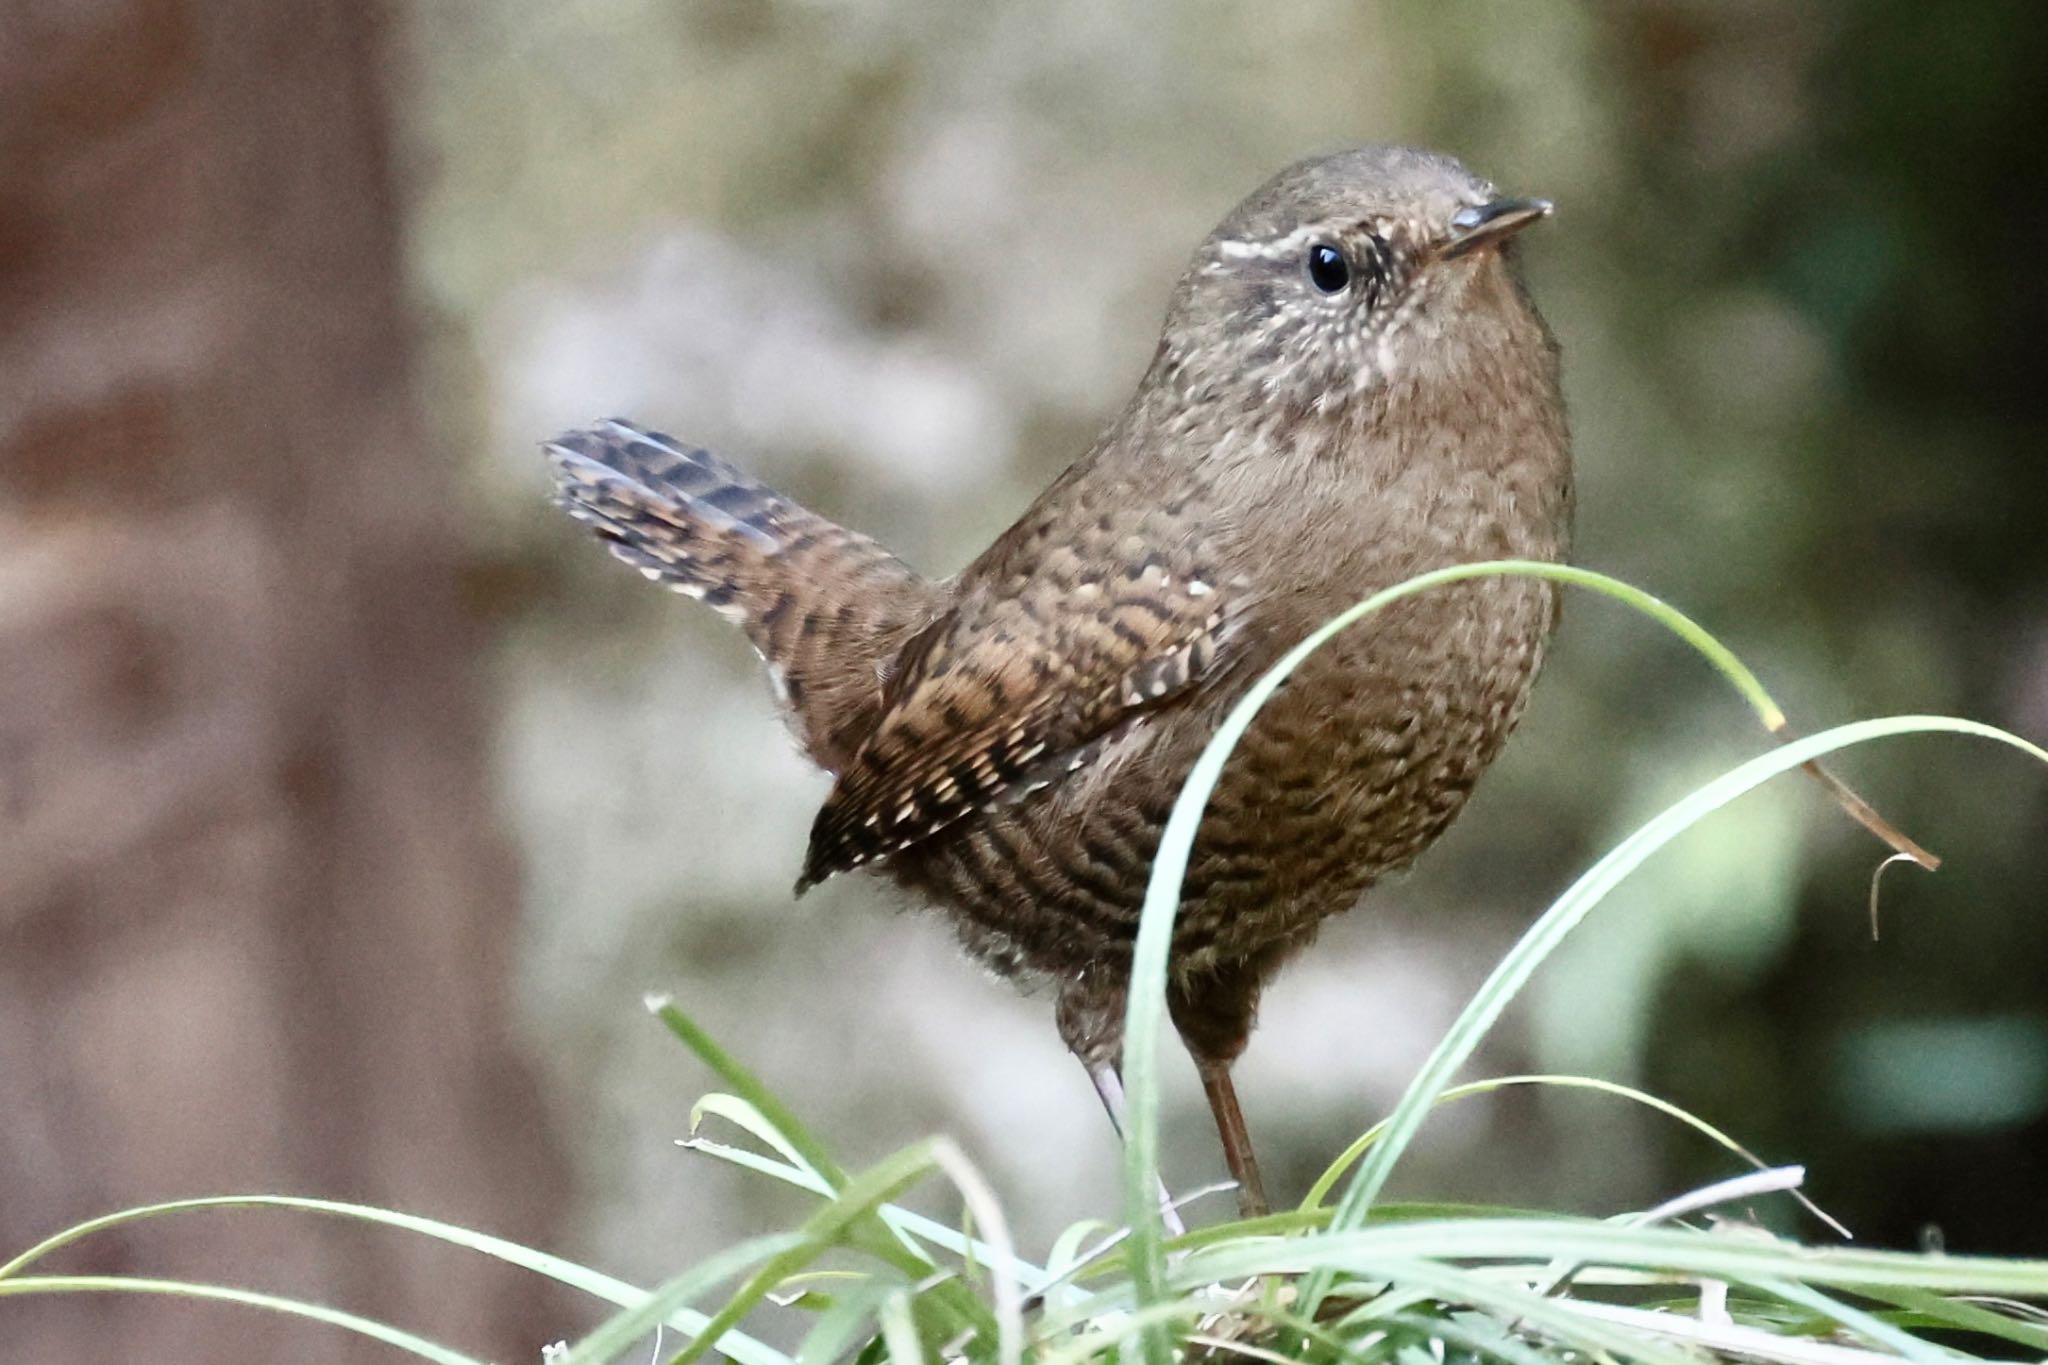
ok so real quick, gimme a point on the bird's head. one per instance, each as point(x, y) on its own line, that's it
point(1347, 273)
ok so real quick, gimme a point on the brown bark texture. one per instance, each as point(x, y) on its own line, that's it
point(255, 917)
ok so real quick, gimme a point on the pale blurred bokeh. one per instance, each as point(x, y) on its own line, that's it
point(902, 258)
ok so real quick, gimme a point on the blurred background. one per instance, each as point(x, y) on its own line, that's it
point(350, 797)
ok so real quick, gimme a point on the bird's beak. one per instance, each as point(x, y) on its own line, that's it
point(1491, 223)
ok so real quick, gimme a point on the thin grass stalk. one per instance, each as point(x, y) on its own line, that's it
point(246, 1298)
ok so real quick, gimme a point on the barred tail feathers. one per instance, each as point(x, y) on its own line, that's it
point(825, 607)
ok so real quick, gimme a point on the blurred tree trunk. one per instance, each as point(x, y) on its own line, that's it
point(255, 918)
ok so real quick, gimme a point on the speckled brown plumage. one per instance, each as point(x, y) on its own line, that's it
point(1008, 742)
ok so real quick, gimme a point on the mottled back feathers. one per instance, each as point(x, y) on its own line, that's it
point(1009, 691)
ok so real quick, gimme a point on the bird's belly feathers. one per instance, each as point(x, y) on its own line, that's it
point(1354, 768)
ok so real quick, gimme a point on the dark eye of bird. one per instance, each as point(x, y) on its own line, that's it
point(1327, 268)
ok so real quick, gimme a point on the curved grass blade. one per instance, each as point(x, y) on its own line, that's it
point(791, 1136)
point(747, 1116)
point(1572, 907)
point(748, 1087)
point(899, 1329)
point(1740, 1341)
point(1853, 1319)
point(1668, 1252)
point(1169, 868)
point(1408, 1279)
point(987, 1214)
point(843, 1324)
point(1452, 1284)
point(1958, 1315)
point(620, 1331)
point(739, 1346)
point(247, 1298)
point(1067, 1254)
point(1320, 1334)
point(1118, 1326)
point(748, 1160)
point(1482, 1346)
point(1771, 1180)
point(1334, 1172)
point(839, 1224)
point(914, 1229)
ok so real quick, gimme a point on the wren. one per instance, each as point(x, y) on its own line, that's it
point(1351, 387)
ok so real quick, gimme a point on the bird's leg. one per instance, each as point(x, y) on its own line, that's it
point(1090, 1015)
point(1237, 1139)
point(1109, 1084)
point(1213, 1011)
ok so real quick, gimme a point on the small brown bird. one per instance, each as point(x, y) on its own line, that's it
point(1352, 387)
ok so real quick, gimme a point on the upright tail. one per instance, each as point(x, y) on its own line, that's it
point(826, 607)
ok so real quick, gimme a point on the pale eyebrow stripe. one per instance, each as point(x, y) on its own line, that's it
point(1278, 248)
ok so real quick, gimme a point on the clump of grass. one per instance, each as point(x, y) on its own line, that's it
point(1346, 1278)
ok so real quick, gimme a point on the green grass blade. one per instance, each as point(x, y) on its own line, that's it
point(1106, 1339)
point(742, 1348)
point(1509, 1303)
point(913, 1228)
point(841, 1223)
point(1736, 1340)
point(1669, 1252)
point(620, 1331)
point(987, 1214)
point(1335, 1171)
point(1452, 1284)
point(1146, 1006)
point(1338, 1347)
point(1960, 1316)
point(1572, 907)
point(899, 1329)
point(1070, 1249)
point(810, 1182)
point(246, 1298)
point(748, 1087)
point(1853, 1319)
point(747, 1116)
point(1482, 1345)
point(839, 1327)
point(873, 1233)
point(1107, 1256)
point(526, 1258)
